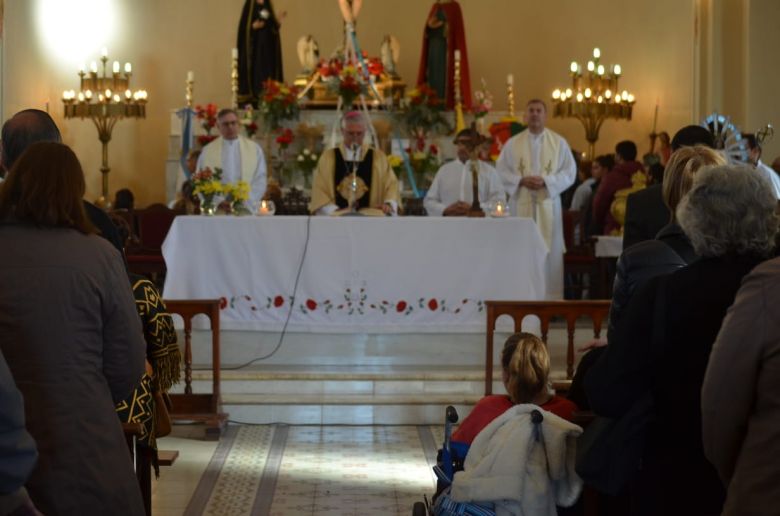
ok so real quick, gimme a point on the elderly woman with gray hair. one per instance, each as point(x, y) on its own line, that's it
point(660, 348)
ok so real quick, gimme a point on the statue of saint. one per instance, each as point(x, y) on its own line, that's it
point(444, 34)
point(259, 49)
point(350, 10)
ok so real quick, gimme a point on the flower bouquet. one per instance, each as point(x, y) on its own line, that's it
point(425, 163)
point(278, 103)
point(237, 195)
point(209, 188)
point(249, 121)
point(306, 162)
point(348, 85)
point(208, 120)
point(423, 112)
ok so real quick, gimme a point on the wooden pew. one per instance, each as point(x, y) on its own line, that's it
point(597, 311)
point(206, 408)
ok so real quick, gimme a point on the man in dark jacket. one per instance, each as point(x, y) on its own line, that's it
point(33, 125)
point(616, 179)
point(646, 213)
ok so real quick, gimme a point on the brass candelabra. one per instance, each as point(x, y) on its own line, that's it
point(593, 97)
point(105, 99)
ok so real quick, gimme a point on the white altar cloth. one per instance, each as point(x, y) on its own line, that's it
point(359, 274)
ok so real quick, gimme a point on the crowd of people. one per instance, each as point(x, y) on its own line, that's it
point(688, 360)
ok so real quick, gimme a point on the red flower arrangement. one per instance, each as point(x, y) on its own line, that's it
point(285, 138)
point(423, 112)
point(279, 102)
point(208, 120)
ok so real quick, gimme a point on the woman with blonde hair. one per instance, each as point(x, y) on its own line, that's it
point(526, 370)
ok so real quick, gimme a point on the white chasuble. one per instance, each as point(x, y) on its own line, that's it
point(537, 156)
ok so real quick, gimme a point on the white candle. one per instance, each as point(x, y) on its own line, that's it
point(190, 76)
point(457, 55)
point(263, 207)
point(510, 79)
point(128, 68)
point(234, 53)
point(115, 68)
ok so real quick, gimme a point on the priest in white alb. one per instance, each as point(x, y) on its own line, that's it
point(536, 166)
point(240, 158)
point(451, 192)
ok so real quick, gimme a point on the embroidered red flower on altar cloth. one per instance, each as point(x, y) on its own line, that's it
point(223, 303)
point(311, 304)
point(278, 301)
point(433, 305)
point(400, 307)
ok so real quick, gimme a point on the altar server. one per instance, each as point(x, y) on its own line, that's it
point(450, 193)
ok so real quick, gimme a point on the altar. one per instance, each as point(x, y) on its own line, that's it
point(354, 275)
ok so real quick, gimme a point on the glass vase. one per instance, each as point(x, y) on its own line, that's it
point(208, 204)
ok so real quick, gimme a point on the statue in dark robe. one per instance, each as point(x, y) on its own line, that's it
point(444, 34)
point(259, 49)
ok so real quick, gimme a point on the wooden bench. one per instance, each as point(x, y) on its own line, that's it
point(142, 461)
point(205, 408)
point(597, 311)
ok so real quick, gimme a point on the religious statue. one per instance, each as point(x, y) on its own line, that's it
point(308, 54)
point(259, 49)
point(444, 35)
point(350, 10)
point(389, 53)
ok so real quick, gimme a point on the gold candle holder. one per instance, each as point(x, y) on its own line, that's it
point(510, 95)
point(234, 79)
point(188, 89)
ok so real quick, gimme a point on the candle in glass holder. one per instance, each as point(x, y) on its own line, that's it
point(266, 207)
point(499, 209)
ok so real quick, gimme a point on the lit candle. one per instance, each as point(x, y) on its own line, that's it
point(93, 67)
point(591, 66)
point(234, 53)
point(116, 98)
point(116, 67)
point(88, 94)
point(596, 53)
point(128, 94)
point(557, 94)
point(588, 93)
point(600, 70)
point(108, 93)
point(574, 67)
point(81, 97)
point(617, 69)
point(579, 97)
point(263, 207)
point(128, 68)
point(190, 76)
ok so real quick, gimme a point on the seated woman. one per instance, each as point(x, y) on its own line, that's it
point(660, 347)
point(526, 368)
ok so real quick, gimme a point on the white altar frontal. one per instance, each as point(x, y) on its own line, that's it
point(354, 274)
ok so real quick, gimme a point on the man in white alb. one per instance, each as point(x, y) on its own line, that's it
point(450, 193)
point(536, 166)
point(240, 158)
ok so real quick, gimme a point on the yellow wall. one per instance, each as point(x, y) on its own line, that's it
point(653, 41)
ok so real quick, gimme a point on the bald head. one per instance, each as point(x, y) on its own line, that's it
point(23, 129)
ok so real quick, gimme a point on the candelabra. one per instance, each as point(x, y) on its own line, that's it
point(100, 100)
point(593, 97)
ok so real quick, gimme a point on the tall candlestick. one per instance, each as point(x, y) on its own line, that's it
point(510, 95)
point(234, 79)
point(188, 88)
point(460, 123)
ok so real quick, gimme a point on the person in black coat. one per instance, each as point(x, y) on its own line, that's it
point(661, 345)
point(646, 213)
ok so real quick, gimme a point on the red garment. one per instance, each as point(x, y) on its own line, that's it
point(616, 179)
point(456, 40)
point(490, 407)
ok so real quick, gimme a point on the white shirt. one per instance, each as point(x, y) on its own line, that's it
point(582, 195)
point(453, 183)
point(231, 169)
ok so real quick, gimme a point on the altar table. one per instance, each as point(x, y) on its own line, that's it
point(359, 274)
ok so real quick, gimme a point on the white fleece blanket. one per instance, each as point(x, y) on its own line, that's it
point(520, 472)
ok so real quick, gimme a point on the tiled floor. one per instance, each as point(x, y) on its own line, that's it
point(297, 470)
